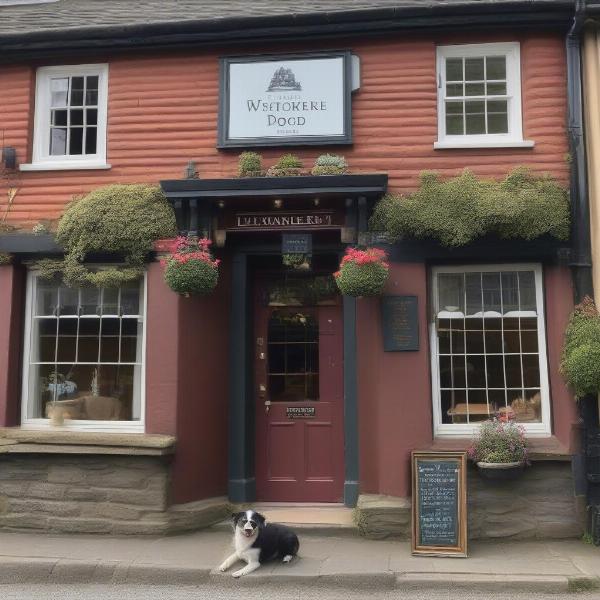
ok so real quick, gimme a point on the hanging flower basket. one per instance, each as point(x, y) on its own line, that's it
point(362, 272)
point(191, 270)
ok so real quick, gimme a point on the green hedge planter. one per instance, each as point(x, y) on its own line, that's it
point(192, 278)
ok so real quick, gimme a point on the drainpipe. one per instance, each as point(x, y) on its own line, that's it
point(581, 255)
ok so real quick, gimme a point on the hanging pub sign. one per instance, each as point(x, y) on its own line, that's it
point(439, 503)
point(287, 99)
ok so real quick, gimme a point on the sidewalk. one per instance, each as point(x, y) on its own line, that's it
point(347, 560)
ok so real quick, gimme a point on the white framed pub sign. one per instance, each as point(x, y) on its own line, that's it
point(291, 99)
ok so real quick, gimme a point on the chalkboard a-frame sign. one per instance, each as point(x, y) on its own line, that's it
point(439, 503)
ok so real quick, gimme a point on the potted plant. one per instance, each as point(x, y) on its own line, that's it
point(499, 449)
point(296, 261)
point(288, 165)
point(250, 165)
point(362, 272)
point(191, 269)
point(329, 164)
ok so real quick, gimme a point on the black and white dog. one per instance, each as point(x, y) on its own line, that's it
point(257, 542)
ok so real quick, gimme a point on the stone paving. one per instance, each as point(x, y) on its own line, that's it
point(343, 560)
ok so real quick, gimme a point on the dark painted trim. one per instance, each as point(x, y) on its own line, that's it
point(28, 243)
point(224, 141)
point(351, 447)
point(284, 28)
point(242, 483)
point(372, 184)
point(546, 250)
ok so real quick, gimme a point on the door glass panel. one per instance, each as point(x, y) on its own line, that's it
point(293, 356)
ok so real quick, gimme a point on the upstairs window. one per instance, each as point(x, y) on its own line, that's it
point(70, 117)
point(479, 96)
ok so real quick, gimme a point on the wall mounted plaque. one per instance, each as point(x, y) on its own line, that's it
point(280, 220)
point(400, 323)
point(299, 412)
point(439, 503)
point(297, 99)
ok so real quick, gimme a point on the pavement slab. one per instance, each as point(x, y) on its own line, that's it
point(327, 560)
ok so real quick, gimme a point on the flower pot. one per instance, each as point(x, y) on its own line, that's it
point(500, 471)
point(361, 280)
point(194, 277)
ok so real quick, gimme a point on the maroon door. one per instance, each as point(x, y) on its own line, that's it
point(299, 403)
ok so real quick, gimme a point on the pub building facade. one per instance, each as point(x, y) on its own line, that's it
point(276, 388)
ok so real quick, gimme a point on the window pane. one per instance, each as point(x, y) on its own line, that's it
point(454, 69)
point(110, 301)
point(496, 89)
point(474, 69)
point(451, 292)
point(76, 91)
point(90, 140)
point(59, 89)
point(58, 141)
point(59, 117)
point(491, 292)
point(68, 299)
point(454, 89)
point(473, 293)
point(495, 371)
point(76, 141)
point(91, 117)
point(476, 371)
point(67, 341)
point(475, 124)
point(77, 117)
point(91, 98)
point(130, 296)
point(454, 124)
point(89, 331)
point(496, 67)
point(498, 123)
point(47, 297)
point(475, 89)
point(44, 340)
point(454, 406)
point(527, 290)
point(90, 300)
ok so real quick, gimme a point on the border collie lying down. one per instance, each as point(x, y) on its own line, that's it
point(257, 542)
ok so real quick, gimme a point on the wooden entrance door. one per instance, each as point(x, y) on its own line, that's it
point(299, 402)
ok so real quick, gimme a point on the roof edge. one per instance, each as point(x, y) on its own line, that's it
point(519, 13)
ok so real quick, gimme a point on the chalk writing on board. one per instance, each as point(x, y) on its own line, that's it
point(438, 503)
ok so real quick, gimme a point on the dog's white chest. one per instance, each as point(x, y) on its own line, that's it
point(243, 545)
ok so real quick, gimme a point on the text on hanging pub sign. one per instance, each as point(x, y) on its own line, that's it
point(285, 99)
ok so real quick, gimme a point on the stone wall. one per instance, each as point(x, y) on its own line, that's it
point(95, 494)
point(540, 504)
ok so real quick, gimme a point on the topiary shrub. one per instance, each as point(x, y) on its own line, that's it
point(5, 258)
point(121, 219)
point(287, 165)
point(250, 164)
point(362, 272)
point(457, 211)
point(191, 269)
point(580, 363)
point(329, 164)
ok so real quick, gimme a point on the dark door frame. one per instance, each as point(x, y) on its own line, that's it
point(241, 468)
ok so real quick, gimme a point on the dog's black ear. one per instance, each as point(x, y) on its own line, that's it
point(260, 518)
point(235, 517)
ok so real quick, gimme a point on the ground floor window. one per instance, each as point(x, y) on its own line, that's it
point(84, 354)
point(488, 347)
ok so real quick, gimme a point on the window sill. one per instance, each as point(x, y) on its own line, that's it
point(16, 440)
point(540, 448)
point(483, 144)
point(64, 166)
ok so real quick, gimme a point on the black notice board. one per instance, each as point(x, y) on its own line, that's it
point(439, 503)
point(400, 323)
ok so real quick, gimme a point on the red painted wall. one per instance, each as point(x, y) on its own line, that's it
point(163, 112)
point(187, 383)
point(12, 301)
point(394, 391)
point(395, 405)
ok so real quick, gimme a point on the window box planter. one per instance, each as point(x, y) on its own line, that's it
point(500, 471)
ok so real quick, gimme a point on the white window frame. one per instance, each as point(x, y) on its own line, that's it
point(542, 429)
point(42, 160)
point(137, 426)
point(514, 137)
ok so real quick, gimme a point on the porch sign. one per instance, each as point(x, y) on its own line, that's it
point(277, 221)
point(285, 100)
point(439, 503)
